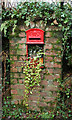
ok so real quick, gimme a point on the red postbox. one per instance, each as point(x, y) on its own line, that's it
point(34, 42)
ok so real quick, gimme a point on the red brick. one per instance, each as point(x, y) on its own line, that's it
point(22, 40)
point(12, 66)
point(16, 102)
point(14, 81)
point(20, 81)
point(18, 64)
point(14, 70)
point(48, 34)
point(14, 57)
point(51, 40)
point(34, 98)
point(54, 52)
point(44, 82)
point(44, 71)
point(50, 70)
point(48, 99)
point(22, 58)
point(46, 40)
point(41, 76)
point(13, 91)
point(54, 93)
point(56, 59)
point(57, 47)
point(11, 58)
point(49, 77)
point(16, 75)
point(22, 34)
point(37, 88)
point(57, 76)
point(50, 88)
point(19, 69)
point(57, 71)
point(11, 45)
point(55, 83)
point(58, 52)
point(12, 52)
point(32, 104)
point(21, 52)
point(43, 93)
point(50, 53)
point(21, 46)
point(16, 97)
point(57, 65)
point(21, 75)
point(48, 58)
point(22, 28)
point(42, 104)
point(48, 46)
point(35, 92)
point(21, 86)
point(48, 64)
point(11, 41)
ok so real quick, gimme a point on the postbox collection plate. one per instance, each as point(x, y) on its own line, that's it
point(35, 36)
point(34, 39)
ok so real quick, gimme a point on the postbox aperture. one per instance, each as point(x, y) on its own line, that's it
point(35, 43)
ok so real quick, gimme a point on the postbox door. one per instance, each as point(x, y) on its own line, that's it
point(36, 51)
point(35, 36)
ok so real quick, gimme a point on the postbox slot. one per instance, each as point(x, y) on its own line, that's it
point(34, 44)
point(34, 38)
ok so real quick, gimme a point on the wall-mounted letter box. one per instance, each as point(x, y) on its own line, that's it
point(34, 42)
point(35, 36)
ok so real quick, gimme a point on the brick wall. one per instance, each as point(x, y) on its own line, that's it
point(52, 62)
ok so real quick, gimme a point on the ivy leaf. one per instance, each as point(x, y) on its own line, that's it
point(23, 17)
point(40, 15)
point(60, 25)
point(14, 27)
point(27, 22)
point(65, 21)
point(15, 21)
point(52, 23)
point(30, 92)
point(12, 16)
point(5, 30)
point(2, 26)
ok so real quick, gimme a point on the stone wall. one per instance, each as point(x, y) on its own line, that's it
point(52, 63)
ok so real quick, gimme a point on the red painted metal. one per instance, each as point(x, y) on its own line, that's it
point(35, 36)
point(27, 50)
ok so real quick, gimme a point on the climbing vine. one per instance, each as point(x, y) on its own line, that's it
point(51, 14)
point(46, 12)
point(31, 70)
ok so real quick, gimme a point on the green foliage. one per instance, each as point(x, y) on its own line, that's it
point(33, 11)
point(63, 104)
point(11, 110)
point(31, 70)
point(46, 12)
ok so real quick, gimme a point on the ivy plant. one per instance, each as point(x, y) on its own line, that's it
point(46, 12)
point(31, 70)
